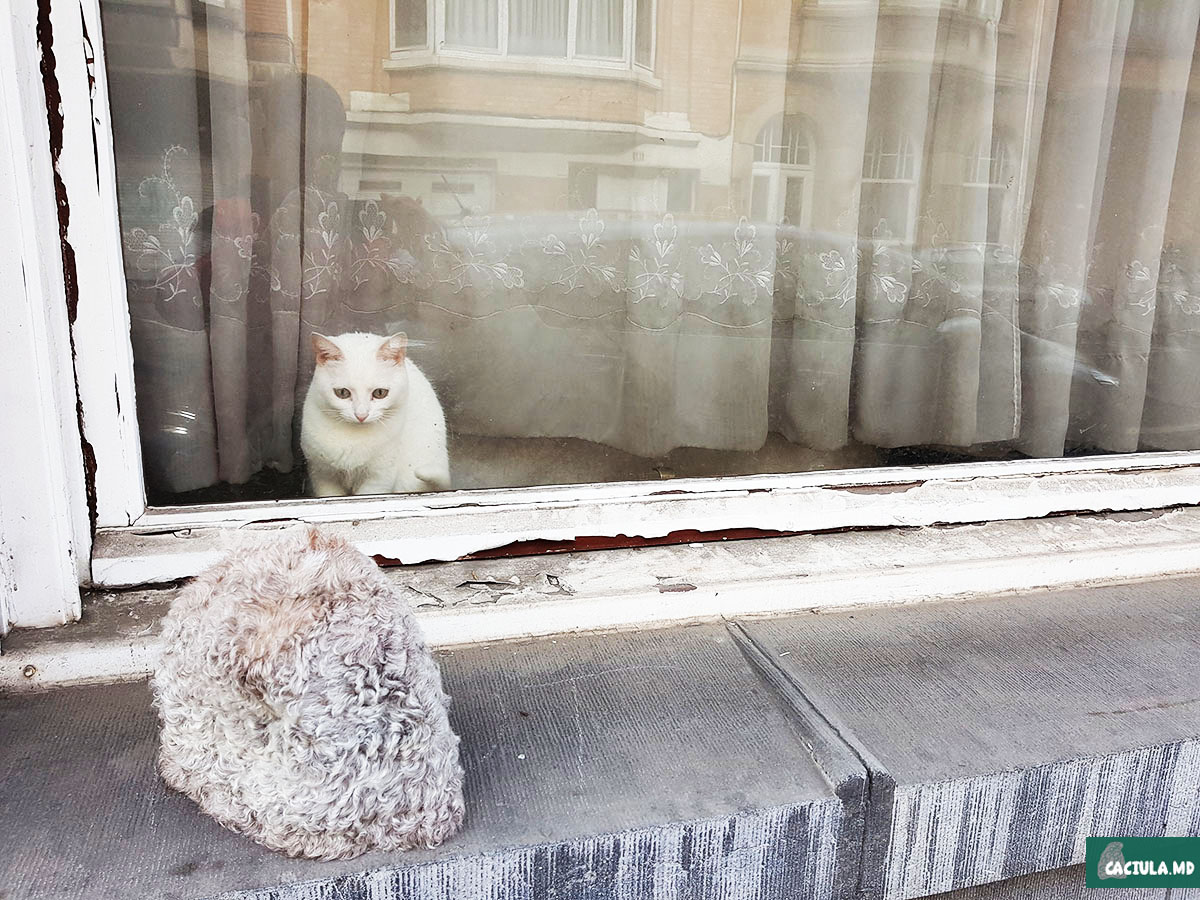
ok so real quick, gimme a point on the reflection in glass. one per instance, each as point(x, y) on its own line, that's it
point(643, 36)
point(601, 28)
point(537, 27)
point(411, 27)
point(472, 24)
point(630, 239)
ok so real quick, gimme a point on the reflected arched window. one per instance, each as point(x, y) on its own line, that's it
point(888, 202)
point(890, 157)
point(783, 140)
point(987, 163)
point(987, 179)
point(782, 174)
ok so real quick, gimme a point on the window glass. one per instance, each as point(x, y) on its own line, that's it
point(411, 29)
point(537, 27)
point(822, 235)
point(643, 38)
point(472, 23)
point(601, 28)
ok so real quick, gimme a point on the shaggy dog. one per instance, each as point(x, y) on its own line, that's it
point(301, 707)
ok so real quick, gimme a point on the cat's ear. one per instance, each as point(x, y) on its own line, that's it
point(394, 348)
point(325, 350)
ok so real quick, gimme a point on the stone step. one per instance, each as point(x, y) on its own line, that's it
point(887, 753)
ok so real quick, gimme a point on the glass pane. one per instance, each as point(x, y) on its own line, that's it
point(581, 186)
point(410, 23)
point(990, 245)
point(680, 186)
point(471, 24)
point(643, 40)
point(793, 201)
point(600, 30)
point(537, 27)
point(760, 201)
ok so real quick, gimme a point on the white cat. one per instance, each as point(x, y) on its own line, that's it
point(372, 422)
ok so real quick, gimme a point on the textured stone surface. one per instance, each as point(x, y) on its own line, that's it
point(894, 753)
point(1013, 728)
point(617, 766)
point(1059, 884)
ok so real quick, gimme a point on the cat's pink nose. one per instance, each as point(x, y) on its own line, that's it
point(362, 417)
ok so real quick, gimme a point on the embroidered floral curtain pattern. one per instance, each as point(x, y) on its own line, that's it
point(1038, 299)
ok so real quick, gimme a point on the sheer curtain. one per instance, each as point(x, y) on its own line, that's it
point(472, 23)
point(1045, 300)
point(601, 27)
point(537, 27)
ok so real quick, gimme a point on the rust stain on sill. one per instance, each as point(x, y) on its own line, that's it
point(616, 542)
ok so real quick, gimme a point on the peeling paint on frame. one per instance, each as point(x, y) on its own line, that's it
point(138, 544)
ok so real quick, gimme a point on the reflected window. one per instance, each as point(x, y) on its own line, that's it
point(643, 38)
point(782, 174)
point(889, 157)
point(987, 180)
point(889, 185)
point(619, 31)
point(987, 164)
point(411, 24)
point(472, 24)
point(631, 189)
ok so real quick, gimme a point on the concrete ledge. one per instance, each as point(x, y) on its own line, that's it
point(883, 753)
point(1014, 728)
point(624, 766)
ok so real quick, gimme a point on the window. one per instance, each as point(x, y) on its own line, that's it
point(412, 24)
point(783, 177)
point(889, 185)
point(987, 165)
point(592, 278)
point(626, 189)
point(608, 31)
point(988, 183)
point(889, 157)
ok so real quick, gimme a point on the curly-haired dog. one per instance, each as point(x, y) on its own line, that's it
point(301, 707)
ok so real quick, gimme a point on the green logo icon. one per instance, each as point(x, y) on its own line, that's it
point(1112, 862)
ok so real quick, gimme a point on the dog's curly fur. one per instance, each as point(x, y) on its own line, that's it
point(300, 706)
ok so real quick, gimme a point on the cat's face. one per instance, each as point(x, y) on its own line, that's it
point(360, 378)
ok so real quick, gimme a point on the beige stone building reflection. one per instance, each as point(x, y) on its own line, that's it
point(708, 108)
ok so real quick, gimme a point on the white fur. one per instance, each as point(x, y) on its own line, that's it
point(363, 445)
point(301, 706)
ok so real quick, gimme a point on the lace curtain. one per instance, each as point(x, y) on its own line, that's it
point(975, 270)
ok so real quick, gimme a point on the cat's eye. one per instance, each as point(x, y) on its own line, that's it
point(379, 393)
point(342, 393)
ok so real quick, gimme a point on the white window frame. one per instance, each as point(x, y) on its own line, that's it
point(137, 544)
point(436, 48)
